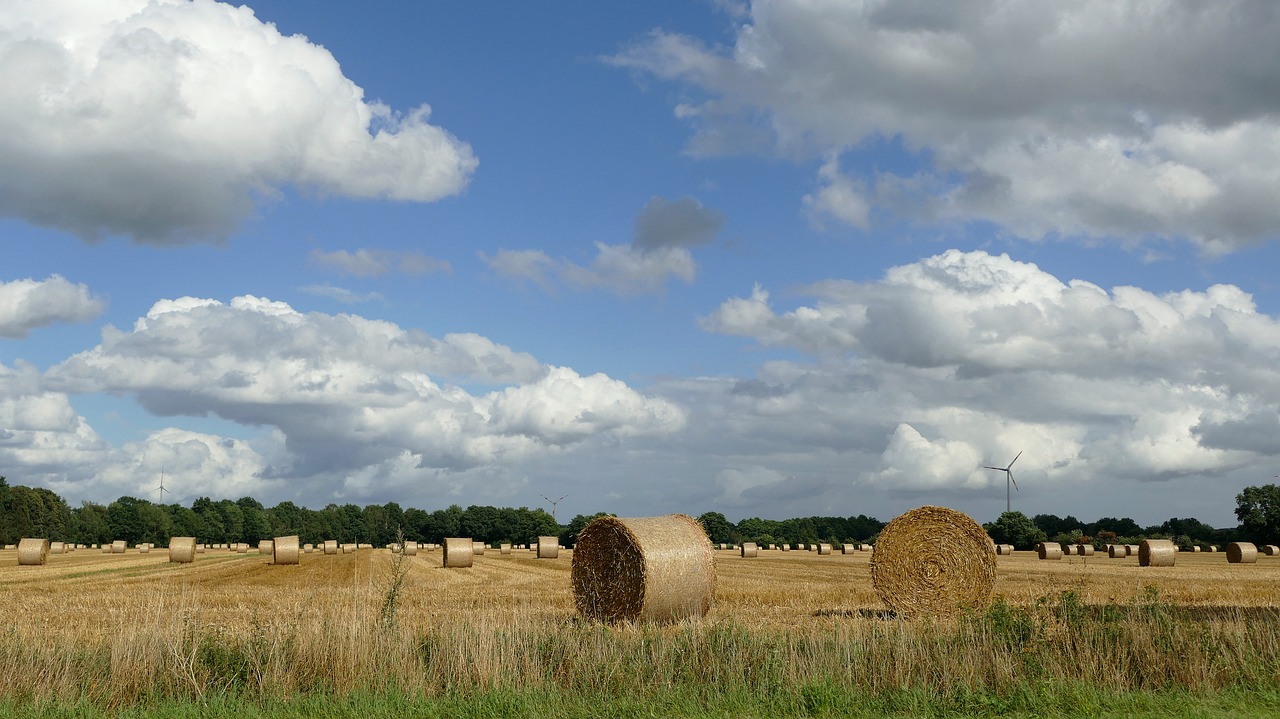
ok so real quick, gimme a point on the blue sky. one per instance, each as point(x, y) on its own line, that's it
point(771, 259)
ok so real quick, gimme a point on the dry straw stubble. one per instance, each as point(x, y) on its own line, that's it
point(933, 561)
point(643, 569)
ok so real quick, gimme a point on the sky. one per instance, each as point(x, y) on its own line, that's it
point(775, 259)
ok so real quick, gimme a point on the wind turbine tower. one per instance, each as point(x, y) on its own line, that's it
point(1008, 480)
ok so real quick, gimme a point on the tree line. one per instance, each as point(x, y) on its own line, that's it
point(39, 512)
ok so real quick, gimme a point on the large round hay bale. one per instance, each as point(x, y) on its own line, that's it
point(284, 550)
point(933, 561)
point(823, 548)
point(477, 548)
point(118, 546)
point(643, 569)
point(749, 550)
point(1049, 550)
point(548, 547)
point(330, 546)
point(182, 550)
point(1242, 553)
point(1131, 550)
point(1157, 553)
point(504, 548)
point(1117, 551)
point(33, 551)
point(1271, 550)
point(266, 546)
point(1085, 550)
point(57, 547)
point(459, 552)
point(242, 547)
point(410, 549)
point(308, 548)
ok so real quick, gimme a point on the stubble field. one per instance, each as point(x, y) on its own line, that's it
point(113, 630)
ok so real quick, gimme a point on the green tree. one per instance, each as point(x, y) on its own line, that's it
point(719, 529)
point(1017, 529)
point(1258, 509)
point(124, 519)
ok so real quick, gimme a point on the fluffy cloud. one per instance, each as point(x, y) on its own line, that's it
point(906, 386)
point(367, 262)
point(350, 397)
point(659, 251)
point(1083, 119)
point(28, 304)
point(164, 120)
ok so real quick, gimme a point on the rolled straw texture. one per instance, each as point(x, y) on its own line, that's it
point(1004, 550)
point(1117, 551)
point(824, 549)
point(458, 552)
point(242, 548)
point(1242, 553)
point(643, 569)
point(266, 547)
point(847, 548)
point(1049, 550)
point(1131, 549)
point(410, 549)
point(32, 551)
point(504, 548)
point(308, 548)
point(330, 546)
point(57, 548)
point(1157, 553)
point(284, 550)
point(548, 547)
point(118, 546)
point(182, 550)
point(1271, 550)
point(749, 550)
point(1085, 550)
point(477, 548)
point(933, 561)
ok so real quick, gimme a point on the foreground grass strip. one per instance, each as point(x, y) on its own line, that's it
point(819, 700)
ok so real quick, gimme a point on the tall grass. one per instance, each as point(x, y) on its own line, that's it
point(346, 646)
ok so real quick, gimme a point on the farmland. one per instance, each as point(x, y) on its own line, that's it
point(116, 630)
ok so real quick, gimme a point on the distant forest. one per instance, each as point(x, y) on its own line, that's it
point(38, 512)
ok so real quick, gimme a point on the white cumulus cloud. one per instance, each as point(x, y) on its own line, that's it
point(28, 304)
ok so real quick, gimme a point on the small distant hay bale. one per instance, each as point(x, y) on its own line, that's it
point(182, 550)
point(477, 548)
point(144, 548)
point(1085, 550)
point(933, 561)
point(1157, 553)
point(504, 548)
point(824, 549)
point(865, 547)
point(1117, 551)
point(394, 547)
point(1242, 553)
point(802, 547)
point(350, 548)
point(772, 547)
point(200, 549)
point(119, 546)
point(266, 546)
point(1196, 548)
point(643, 569)
point(284, 550)
point(1271, 550)
point(364, 545)
point(548, 547)
point(242, 547)
point(1131, 550)
point(57, 548)
point(749, 550)
point(308, 548)
point(106, 549)
point(786, 547)
point(1212, 548)
point(410, 549)
point(330, 546)
point(459, 552)
point(1004, 550)
point(33, 551)
point(1049, 550)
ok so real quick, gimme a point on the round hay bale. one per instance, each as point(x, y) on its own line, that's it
point(1004, 550)
point(1212, 548)
point(410, 549)
point(644, 569)
point(933, 561)
point(57, 548)
point(548, 547)
point(200, 549)
point(308, 548)
point(1131, 550)
point(824, 549)
point(504, 548)
point(1085, 550)
point(786, 547)
point(330, 546)
point(1196, 549)
point(144, 548)
point(1117, 551)
point(350, 548)
point(477, 548)
point(1157, 553)
point(242, 547)
point(1242, 553)
point(773, 546)
point(33, 551)
point(266, 546)
point(118, 546)
point(458, 552)
point(847, 548)
point(749, 550)
point(1049, 550)
point(1271, 550)
point(182, 550)
point(284, 550)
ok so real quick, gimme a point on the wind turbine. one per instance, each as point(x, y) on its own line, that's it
point(1008, 479)
point(160, 491)
point(553, 505)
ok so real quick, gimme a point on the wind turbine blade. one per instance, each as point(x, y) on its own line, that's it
point(1011, 479)
point(998, 469)
point(1015, 459)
